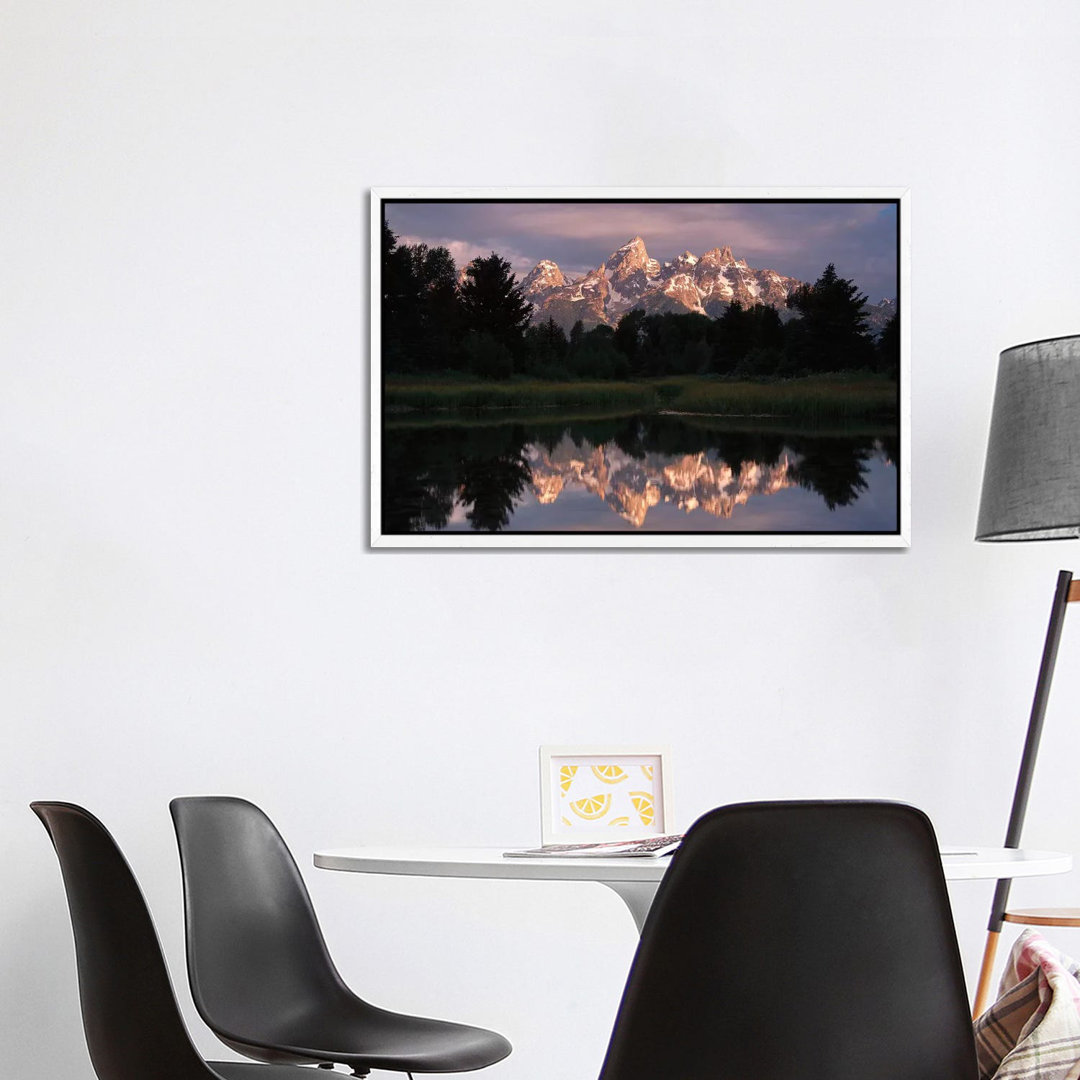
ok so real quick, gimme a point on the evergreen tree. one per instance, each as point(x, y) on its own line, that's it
point(487, 357)
point(731, 338)
point(630, 338)
point(439, 308)
point(888, 347)
point(420, 311)
point(769, 330)
point(832, 333)
point(593, 355)
point(396, 285)
point(545, 350)
point(492, 302)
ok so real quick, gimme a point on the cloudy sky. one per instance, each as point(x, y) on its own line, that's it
point(793, 238)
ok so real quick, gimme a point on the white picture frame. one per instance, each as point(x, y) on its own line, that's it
point(623, 531)
point(594, 793)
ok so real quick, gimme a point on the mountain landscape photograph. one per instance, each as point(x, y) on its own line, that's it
point(603, 367)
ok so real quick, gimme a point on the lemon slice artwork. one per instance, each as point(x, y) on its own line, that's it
point(609, 774)
point(623, 820)
point(592, 808)
point(566, 777)
point(643, 804)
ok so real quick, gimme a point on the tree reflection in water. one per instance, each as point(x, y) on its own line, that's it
point(427, 471)
point(484, 471)
point(834, 468)
point(489, 486)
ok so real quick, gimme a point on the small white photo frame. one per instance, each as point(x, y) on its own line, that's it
point(590, 794)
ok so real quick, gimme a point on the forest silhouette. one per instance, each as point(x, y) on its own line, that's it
point(434, 324)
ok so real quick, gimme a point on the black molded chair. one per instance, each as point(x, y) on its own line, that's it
point(259, 969)
point(798, 941)
point(133, 1026)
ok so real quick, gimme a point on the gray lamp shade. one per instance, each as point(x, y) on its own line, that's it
point(1031, 483)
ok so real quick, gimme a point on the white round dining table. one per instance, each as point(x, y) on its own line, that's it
point(636, 879)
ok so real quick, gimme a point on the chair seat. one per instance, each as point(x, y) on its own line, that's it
point(1044, 916)
point(364, 1037)
point(245, 1070)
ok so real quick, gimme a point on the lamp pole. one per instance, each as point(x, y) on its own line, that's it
point(1065, 592)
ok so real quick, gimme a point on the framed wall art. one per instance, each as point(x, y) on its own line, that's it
point(633, 368)
point(596, 793)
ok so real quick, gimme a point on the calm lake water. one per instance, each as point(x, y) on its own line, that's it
point(656, 473)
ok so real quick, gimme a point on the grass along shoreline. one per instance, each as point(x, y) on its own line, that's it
point(814, 397)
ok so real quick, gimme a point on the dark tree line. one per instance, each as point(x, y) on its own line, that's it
point(431, 324)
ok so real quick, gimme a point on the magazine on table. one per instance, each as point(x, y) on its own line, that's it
point(649, 847)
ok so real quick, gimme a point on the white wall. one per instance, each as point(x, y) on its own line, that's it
point(186, 601)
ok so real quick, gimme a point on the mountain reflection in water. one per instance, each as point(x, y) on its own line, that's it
point(655, 473)
point(631, 487)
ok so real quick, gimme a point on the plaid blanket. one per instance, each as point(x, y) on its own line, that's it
point(1032, 1031)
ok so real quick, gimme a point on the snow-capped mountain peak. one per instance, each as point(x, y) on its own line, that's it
point(635, 244)
point(632, 256)
point(630, 278)
point(719, 256)
point(543, 276)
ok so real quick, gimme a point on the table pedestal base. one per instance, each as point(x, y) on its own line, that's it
point(637, 896)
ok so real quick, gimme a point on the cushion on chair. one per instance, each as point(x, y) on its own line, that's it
point(1032, 1031)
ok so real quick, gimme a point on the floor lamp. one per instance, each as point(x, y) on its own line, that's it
point(1031, 491)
